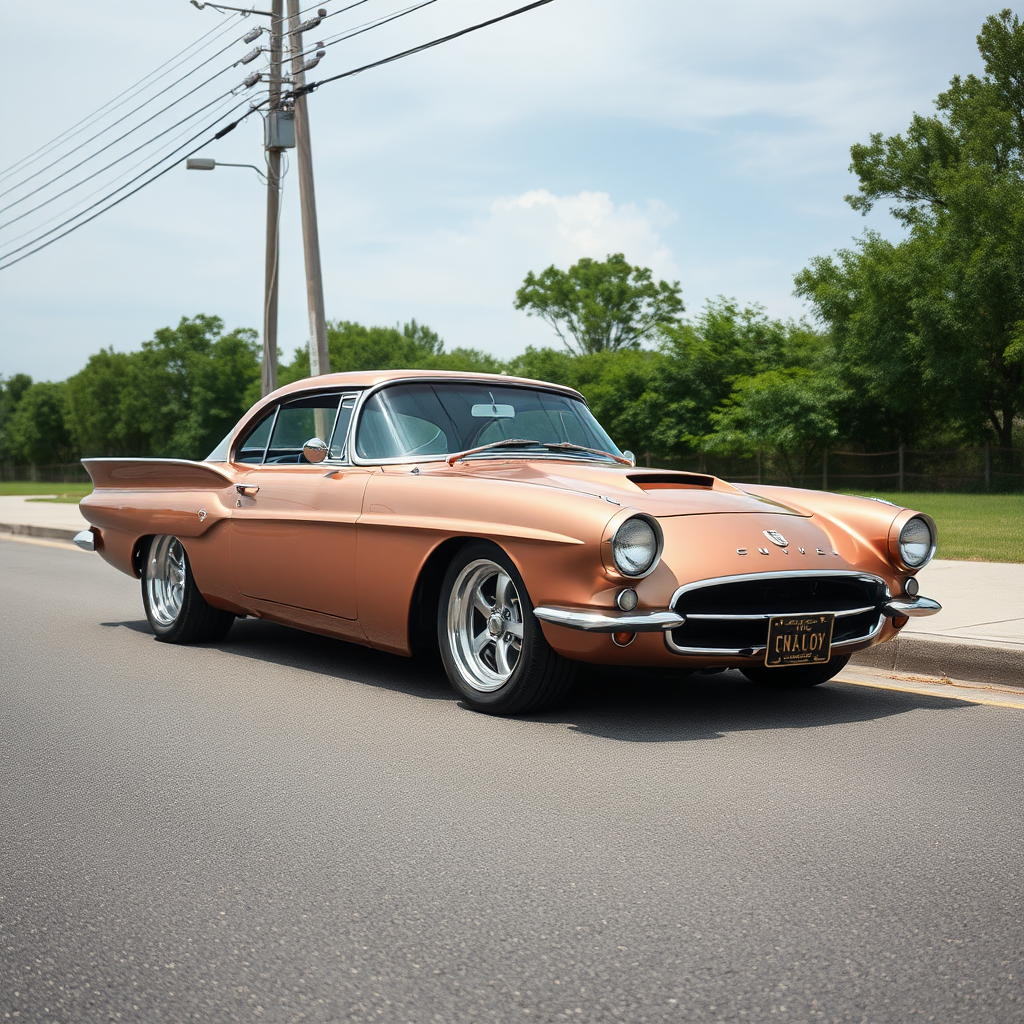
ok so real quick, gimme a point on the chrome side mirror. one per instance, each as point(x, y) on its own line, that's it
point(315, 450)
point(627, 454)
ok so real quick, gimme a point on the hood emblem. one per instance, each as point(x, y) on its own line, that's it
point(776, 538)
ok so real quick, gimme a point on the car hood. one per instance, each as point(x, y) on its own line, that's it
point(661, 493)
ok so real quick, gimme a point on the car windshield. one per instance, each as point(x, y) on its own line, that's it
point(440, 418)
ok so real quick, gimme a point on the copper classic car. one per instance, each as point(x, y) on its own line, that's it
point(494, 518)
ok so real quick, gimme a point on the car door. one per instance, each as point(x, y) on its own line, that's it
point(293, 532)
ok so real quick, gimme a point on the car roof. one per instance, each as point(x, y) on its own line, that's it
point(369, 378)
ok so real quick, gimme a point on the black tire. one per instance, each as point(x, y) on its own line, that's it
point(177, 612)
point(506, 671)
point(796, 677)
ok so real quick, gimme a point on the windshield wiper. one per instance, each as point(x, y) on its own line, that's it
point(521, 442)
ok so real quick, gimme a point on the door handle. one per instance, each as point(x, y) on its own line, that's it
point(247, 490)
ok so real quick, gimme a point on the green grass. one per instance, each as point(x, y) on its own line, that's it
point(972, 527)
point(71, 493)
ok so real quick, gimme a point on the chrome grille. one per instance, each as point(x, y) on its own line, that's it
point(729, 615)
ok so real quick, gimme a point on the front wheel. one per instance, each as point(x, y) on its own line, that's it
point(491, 644)
point(177, 612)
point(797, 677)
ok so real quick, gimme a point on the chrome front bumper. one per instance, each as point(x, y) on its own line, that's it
point(912, 606)
point(609, 621)
point(86, 540)
point(662, 621)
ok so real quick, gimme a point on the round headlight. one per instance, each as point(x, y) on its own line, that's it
point(635, 547)
point(917, 545)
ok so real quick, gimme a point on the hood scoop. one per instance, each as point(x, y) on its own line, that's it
point(672, 481)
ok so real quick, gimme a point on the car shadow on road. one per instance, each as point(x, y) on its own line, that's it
point(272, 643)
point(649, 707)
point(636, 706)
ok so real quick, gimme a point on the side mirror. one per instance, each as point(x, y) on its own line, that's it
point(629, 455)
point(315, 450)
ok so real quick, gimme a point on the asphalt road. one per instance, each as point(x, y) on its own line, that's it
point(287, 828)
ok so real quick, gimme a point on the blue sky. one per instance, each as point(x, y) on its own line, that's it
point(707, 141)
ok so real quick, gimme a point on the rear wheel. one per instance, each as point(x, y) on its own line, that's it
point(492, 646)
point(177, 612)
point(796, 676)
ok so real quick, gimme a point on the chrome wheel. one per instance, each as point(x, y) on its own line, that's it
point(165, 580)
point(485, 625)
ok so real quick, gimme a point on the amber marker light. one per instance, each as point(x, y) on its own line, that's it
point(623, 639)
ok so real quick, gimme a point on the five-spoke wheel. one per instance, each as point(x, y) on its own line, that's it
point(491, 644)
point(177, 612)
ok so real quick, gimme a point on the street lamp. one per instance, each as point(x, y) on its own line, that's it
point(205, 163)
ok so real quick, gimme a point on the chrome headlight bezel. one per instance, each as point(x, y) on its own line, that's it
point(611, 548)
point(898, 548)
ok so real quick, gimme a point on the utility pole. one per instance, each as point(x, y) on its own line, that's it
point(272, 275)
point(319, 361)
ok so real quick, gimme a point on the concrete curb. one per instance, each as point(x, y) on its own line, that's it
point(47, 532)
point(953, 659)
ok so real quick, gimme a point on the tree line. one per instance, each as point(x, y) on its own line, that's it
point(918, 342)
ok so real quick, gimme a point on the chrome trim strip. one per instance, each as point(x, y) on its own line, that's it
point(770, 615)
point(912, 606)
point(787, 574)
point(594, 621)
point(86, 540)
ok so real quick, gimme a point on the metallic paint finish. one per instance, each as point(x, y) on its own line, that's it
point(339, 549)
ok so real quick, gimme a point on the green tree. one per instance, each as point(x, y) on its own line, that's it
point(351, 346)
point(38, 428)
point(935, 324)
point(599, 306)
point(176, 397)
point(785, 413)
point(706, 356)
point(11, 391)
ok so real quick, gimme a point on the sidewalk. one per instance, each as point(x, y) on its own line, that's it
point(978, 636)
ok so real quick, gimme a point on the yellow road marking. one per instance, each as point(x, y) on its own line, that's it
point(975, 694)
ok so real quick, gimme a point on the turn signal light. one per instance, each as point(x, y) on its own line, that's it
point(623, 639)
point(900, 620)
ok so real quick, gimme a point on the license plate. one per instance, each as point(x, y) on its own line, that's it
point(799, 639)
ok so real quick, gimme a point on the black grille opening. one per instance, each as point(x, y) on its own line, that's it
point(775, 596)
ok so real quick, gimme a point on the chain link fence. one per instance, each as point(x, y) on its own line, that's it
point(965, 470)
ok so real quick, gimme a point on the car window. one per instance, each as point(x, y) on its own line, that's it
point(254, 446)
point(297, 422)
point(420, 419)
point(339, 447)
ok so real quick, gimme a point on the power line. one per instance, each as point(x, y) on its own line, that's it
point(103, 149)
point(365, 27)
point(76, 203)
point(218, 135)
point(113, 163)
point(126, 94)
point(230, 127)
point(423, 46)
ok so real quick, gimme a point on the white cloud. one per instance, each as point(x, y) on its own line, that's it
point(463, 281)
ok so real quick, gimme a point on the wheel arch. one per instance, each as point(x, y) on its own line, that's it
point(139, 551)
point(426, 594)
